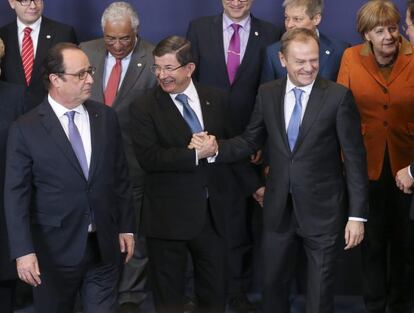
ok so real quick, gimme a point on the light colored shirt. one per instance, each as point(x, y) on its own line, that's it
point(34, 34)
point(289, 106)
point(244, 32)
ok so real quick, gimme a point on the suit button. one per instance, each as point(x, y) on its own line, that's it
point(385, 106)
point(385, 123)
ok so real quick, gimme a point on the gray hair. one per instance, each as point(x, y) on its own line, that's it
point(118, 11)
point(313, 7)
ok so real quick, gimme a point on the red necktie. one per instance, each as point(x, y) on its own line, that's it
point(113, 83)
point(27, 54)
point(233, 53)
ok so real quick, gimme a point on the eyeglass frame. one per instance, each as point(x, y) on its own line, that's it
point(156, 69)
point(91, 71)
point(36, 2)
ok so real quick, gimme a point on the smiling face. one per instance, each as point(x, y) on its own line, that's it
point(119, 37)
point(176, 80)
point(237, 10)
point(384, 40)
point(301, 60)
point(27, 14)
point(295, 16)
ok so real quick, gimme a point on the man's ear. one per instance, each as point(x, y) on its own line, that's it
point(282, 59)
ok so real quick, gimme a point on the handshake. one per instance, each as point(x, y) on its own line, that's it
point(205, 145)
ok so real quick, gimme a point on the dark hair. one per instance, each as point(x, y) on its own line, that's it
point(296, 34)
point(180, 46)
point(410, 8)
point(53, 63)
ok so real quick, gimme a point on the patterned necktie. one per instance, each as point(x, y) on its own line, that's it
point(233, 53)
point(113, 83)
point(189, 114)
point(27, 54)
point(295, 119)
point(76, 142)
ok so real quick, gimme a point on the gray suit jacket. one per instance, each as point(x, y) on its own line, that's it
point(137, 78)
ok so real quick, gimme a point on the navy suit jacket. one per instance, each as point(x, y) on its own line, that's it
point(11, 106)
point(206, 36)
point(48, 199)
point(330, 55)
point(51, 33)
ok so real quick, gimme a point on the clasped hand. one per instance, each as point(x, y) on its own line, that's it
point(205, 145)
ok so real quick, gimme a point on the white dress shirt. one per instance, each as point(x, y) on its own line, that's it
point(290, 104)
point(34, 34)
point(244, 32)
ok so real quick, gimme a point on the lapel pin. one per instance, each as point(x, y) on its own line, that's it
point(328, 52)
point(139, 64)
point(48, 36)
point(207, 103)
point(256, 33)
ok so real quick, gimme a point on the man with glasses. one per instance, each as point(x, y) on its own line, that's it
point(228, 51)
point(122, 60)
point(27, 40)
point(186, 194)
point(68, 201)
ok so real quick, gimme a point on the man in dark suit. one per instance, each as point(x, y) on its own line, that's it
point(211, 39)
point(12, 105)
point(43, 34)
point(307, 14)
point(185, 194)
point(121, 43)
point(317, 175)
point(67, 194)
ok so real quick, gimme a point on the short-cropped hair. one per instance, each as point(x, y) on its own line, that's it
point(177, 45)
point(296, 34)
point(376, 13)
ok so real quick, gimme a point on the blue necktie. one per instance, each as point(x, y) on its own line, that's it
point(189, 114)
point(295, 119)
point(76, 142)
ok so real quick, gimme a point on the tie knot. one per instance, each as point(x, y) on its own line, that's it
point(118, 61)
point(27, 31)
point(182, 98)
point(235, 27)
point(298, 93)
point(70, 115)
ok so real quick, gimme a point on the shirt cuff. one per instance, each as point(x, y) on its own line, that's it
point(357, 219)
point(130, 234)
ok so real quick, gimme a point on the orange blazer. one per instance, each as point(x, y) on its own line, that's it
point(386, 107)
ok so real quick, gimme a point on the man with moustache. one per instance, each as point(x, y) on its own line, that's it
point(27, 40)
point(185, 193)
point(68, 201)
point(228, 51)
point(123, 60)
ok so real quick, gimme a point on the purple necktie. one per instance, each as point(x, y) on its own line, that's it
point(233, 53)
point(76, 142)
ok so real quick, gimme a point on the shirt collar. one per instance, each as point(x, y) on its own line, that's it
point(290, 86)
point(60, 110)
point(35, 26)
point(244, 23)
point(190, 92)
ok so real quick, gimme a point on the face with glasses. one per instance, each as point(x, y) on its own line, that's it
point(119, 37)
point(409, 27)
point(74, 85)
point(27, 12)
point(237, 10)
point(172, 76)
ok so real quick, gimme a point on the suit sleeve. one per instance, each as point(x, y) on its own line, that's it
point(353, 152)
point(151, 154)
point(17, 193)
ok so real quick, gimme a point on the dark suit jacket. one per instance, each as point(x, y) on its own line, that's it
point(47, 197)
point(137, 78)
point(330, 54)
point(51, 33)
point(318, 179)
point(206, 36)
point(11, 106)
point(175, 204)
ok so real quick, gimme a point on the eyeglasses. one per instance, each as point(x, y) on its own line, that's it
point(27, 3)
point(81, 74)
point(123, 40)
point(156, 69)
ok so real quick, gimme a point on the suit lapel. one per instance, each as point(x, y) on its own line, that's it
point(369, 63)
point(13, 52)
point(207, 109)
point(325, 51)
point(314, 106)
point(98, 85)
point(217, 43)
point(279, 107)
point(43, 44)
point(56, 132)
point(97, 136)
point(404, 58)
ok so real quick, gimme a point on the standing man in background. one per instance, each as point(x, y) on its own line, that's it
point(307, 14)
point(228, 50)
point(27, 40)
point(123, 70)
